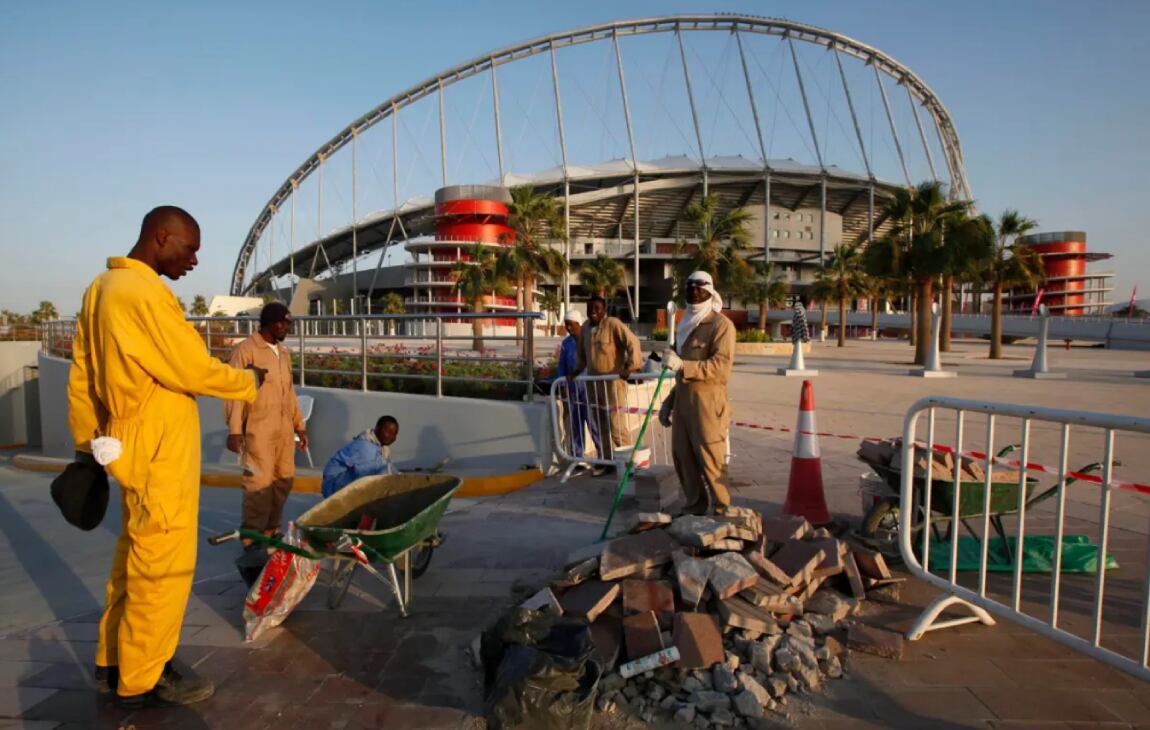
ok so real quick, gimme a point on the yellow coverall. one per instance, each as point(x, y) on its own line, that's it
point(608, 349)
point(268, 427)
point(701, 415)
point(137, 366)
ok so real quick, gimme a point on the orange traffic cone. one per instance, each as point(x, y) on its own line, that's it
point(805, 488)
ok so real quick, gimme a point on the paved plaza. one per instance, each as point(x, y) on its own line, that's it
point(361, 666)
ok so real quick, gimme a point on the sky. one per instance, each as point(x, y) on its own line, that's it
point(108, 109)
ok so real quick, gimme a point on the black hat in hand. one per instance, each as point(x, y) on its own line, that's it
point(81, 492)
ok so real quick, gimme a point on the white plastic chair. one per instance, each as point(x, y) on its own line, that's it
point(306, 405)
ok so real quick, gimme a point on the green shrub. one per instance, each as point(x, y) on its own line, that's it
point(755, 335)
point(658, 334)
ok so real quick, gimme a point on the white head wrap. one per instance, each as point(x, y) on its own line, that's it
point(695, 313)
point(573, 315)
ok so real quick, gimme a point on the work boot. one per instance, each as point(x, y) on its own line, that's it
point(173, 690)
point(106, 679)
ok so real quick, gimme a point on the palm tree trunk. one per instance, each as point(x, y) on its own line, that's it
point(477, 327)
point(874, 320)
point(996, 323)
point(520, 306)
point(763, 316)
point(912, 309)
point(923, 341)
point(823, 324)
point(842, 322)
point(947, 303)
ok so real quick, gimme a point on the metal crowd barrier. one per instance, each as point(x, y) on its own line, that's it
point(593, 428)
point(983, 595)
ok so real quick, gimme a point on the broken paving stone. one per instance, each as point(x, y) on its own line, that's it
point(782, 528)
point(834, 668)
point(625, 556)
point(851, 568)
point(544, 600)
point(685, 714)
point(724, 679)
point(655, 692)
point(820, 623)
point(698, 639)
point(579, 572)
point(762, 594)
point(747, 704)
point(831, 603)
point(811, 588)
point(692, 575)
point(871, 563)
point(648, 521)
point(726, 544)
point(611, 683)
point(641, 635)
point(731, 574)
point(832, 563)
point(737, 613)
point(786, 659)
point(761, 656)
point(709, 701)
point(640, 596)
point(777, 685)
point(752, 685)
point(732, 660)
point(834, 646)
point(699, 531)
point(589, 599)
point(607, 637)
point(821, 533)
point(889, 593)
point(873, 640)
point(797, 560)
point(767, 569)
point(691, 684)
point(799, 628)
point(722, 717)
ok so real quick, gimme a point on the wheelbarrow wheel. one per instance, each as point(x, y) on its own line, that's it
point(880, 528)
point(420, 559)
point(342, 572)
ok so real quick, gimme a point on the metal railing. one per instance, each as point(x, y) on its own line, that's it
point(928, 501)
point(596, 425)
point(423, 353)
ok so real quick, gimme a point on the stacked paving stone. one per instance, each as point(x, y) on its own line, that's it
point(757, 610)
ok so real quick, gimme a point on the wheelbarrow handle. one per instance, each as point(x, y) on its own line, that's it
point(223, 537)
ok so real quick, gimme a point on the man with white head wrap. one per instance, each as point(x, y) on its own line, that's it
point(575, 402)
point(696, 410)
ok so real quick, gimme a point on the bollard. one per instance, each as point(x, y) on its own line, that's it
point(1038, 369)
point(933, 367)
point(797, 367)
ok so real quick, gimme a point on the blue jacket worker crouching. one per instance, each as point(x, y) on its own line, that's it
point(367, 455)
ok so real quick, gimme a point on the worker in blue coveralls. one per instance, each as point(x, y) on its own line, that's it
point(367, 455)
point(579, 414)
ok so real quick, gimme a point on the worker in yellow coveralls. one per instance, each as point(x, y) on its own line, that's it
point(266, 434)
point(137, 366)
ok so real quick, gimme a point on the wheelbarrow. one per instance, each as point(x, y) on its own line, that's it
point(374, 522)
point(881, 523)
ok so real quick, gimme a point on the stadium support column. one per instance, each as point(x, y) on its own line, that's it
point(566, 179)
point(694, 109)
point(354, 226)
point(823, 221)
point(634, 161)
point(762, 151)
point(442, 136)
point(870, 212)
point(498, 123)
point(818, 155)
point(862, 145)
point(890, 121)
point(291, 258)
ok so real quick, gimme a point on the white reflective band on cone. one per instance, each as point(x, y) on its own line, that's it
point(806, 443)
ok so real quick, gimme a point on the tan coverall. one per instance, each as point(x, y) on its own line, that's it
point(609, 349)
point(137, 366)
point(268, 427)
point(700, 412)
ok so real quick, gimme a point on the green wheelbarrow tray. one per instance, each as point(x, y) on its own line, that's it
point(972, 495)
point(407, 509)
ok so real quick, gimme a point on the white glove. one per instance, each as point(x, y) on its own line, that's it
point(665, 412)
point(106, 449)
point(672, 361)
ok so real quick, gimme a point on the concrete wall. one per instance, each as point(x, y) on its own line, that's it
point(492, 436)
point(19, 400)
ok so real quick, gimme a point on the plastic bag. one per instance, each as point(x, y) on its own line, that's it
point(282, 584)
point(543, 676)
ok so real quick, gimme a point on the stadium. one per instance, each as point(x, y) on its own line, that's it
point(626, 124)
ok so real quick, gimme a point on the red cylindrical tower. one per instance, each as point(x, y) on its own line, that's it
point(1069, 290)
point(464, 215)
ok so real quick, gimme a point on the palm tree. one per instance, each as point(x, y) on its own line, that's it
point(844, 276)
point(605, 276)
point(392, 303)
point(922, 214)
point(536, 219)
point(875, 288)
point(476, 278)
point(199, 306)
point(968, 244)
point(46, 312)
point(722, 236)
point(551, 303)
point(1010, 266)
point(821, 290)
point(766, 288)
point(180, 301)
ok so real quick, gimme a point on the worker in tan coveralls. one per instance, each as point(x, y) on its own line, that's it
point(265, 433)
point(697, 409)
point(608, 347)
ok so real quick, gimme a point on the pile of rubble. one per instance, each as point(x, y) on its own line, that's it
point(716, 621)
point(884, 455)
